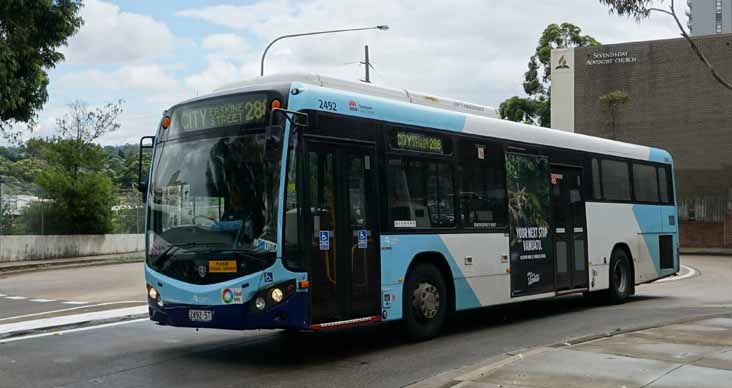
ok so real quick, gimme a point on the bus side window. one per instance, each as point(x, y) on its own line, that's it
point(483, 192)
point(596, 187)
point(615, 180)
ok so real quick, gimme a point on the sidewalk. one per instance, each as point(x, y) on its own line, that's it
point(13, 267)
point(692, 354)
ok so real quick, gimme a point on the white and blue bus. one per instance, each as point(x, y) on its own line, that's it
point(307, 203)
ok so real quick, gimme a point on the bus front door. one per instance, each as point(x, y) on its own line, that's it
point(342, 220)
point(570, 229)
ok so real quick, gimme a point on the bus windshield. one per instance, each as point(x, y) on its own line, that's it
point(213, 195)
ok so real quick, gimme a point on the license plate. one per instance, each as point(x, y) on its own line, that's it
point(222, 266)
point(200, 315)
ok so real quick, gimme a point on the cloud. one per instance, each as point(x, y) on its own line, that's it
point(217, 73)
point(226, 46)
point(112, 36)
point(242, 16)
point(466, 49)
point(135, 77)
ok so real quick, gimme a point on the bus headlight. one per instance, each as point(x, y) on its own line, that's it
point(152, 293)
point(277, 295)
point(260, 303)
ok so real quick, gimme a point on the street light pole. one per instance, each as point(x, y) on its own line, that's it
point(261, 67)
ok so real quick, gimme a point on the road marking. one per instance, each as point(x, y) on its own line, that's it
point(15, 297)
point(44, 323)
point(71, 302)
point(692, 272)
point(2, 295)
point(69, 309)
point(42, 300)
point(62, 332)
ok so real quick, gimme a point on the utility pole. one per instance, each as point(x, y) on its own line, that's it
point(366, 63)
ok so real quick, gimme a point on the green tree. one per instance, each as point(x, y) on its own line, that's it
point(30, 34)
point(75, 177)
point(613, 101)
point(536, 108)
point(641, 9)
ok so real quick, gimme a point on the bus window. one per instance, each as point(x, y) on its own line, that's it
point(421, 194)
point(615, 180)
point(483, 192)
point(596, 188)
point(645, 183)
point(663, 185)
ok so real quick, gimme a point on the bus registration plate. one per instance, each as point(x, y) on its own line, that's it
point(200, 315)
point(222, 266)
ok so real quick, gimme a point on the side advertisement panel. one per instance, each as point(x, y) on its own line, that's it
point(529, 194)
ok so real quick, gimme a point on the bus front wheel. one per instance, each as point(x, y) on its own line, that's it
point(424, 302)
point(620, 277)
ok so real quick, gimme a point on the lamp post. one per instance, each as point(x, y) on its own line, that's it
point(261, 71)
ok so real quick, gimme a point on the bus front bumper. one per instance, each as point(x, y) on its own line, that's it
point(292, 313)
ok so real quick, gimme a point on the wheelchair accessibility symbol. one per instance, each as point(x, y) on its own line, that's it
point(324, 240)
point(363, 236)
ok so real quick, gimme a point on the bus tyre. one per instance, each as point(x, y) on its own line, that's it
point(424, 302)
point(620, 277)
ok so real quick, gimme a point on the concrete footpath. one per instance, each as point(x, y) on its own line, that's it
point(692, 354)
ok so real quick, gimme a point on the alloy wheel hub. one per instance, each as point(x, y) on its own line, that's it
point(426, 300)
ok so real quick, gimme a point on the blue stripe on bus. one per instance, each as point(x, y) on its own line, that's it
point(652, 221)
point(371, 107)
point(398, 256)
point(660, 156)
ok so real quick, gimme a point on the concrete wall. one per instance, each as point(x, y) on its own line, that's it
point(23, 248)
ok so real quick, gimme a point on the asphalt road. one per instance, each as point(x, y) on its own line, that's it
point(54, 290)
point(141, 354)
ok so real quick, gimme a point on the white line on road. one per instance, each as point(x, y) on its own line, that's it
point(62, 332)
point(71, 302)
point(42, 300)
point(15, 297)
point(691, 273)
point(71, 319)
point(2, 295)
point(69, 309)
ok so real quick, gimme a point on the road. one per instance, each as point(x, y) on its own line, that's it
point(53, 290)
point(141, 354)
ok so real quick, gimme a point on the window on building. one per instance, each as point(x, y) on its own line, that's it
point(615, 180)
point(645, 183)
point(718, 16)
point(421, 193)
point(483, 192)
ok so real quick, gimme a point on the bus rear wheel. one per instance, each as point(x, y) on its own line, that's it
point(424, 302)
point(620, 277)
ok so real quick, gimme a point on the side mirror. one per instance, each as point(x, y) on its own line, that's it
point(273, 142)
point(142, 183)
point(276, 129)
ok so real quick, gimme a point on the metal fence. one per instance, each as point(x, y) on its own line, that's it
point(712, 209)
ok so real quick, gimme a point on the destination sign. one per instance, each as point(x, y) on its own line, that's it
point(418, 142)
point(241, 110)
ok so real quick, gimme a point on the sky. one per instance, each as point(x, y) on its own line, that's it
point(153, 54)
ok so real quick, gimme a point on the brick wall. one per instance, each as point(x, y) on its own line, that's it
point(701, 234)
point(675, 105)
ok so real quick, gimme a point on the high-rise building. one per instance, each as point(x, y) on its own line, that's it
point(707, 17)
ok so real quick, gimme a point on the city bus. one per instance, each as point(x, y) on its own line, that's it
point(308, 203)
